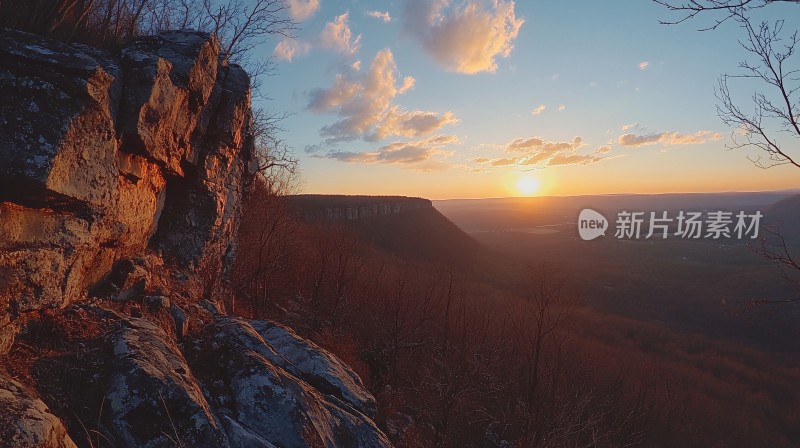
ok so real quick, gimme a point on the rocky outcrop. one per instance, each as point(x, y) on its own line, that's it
point(237, 384)
point(316, 366)
point(26, 421)
point(348, 208)
point(153, 398)
point(105, 157)
point(121, 178)
point(282, 389)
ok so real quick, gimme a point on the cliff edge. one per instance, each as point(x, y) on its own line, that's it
point(121, 179)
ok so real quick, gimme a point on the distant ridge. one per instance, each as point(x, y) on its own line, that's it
point(785, 215)
point(346, 208)
point(407, 227)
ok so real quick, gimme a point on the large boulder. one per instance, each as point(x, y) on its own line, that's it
point(26, 422)
point(269, 399)
point(153, 398)
point(237, 390)
point(316, 366)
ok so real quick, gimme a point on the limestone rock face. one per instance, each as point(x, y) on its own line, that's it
point(103, 157)
point(121, 178)
point(26, 422)
point(58, 171)
point(58, 134)
point(169, 79)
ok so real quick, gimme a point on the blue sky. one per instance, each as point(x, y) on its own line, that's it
point(490, 98)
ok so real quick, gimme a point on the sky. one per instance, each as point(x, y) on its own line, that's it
point(495, 98)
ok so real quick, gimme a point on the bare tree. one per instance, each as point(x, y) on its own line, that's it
point(774, 110)
point(243, 25)
point(724, 9)
point(770, 120)
point(542, 328)
point(274, 159)
point(267, 241)
point(457, 381)
point(773, 246)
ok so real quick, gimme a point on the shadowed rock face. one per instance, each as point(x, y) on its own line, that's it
point(103, 157)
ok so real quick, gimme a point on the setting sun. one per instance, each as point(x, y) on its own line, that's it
point(528, 185)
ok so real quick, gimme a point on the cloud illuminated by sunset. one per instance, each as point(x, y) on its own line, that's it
point(442, 98)
point(364, 105)
point(467, 37)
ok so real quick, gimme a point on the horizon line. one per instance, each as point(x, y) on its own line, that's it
point(785, 190)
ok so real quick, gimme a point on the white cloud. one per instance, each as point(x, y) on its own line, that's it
point(540, 152)
point(302, 9)
point(539, 109)
point(337, 36)
point(380, 15)
point(419, 154)
point(643, 65)
point(288, 48)
point(667, 138)
point(467, 38)
point(363, 102)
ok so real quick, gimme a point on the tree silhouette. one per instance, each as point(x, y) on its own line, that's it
point(771, 121)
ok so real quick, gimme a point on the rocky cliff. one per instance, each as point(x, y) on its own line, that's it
point(121, 178)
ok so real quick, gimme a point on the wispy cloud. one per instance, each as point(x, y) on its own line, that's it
point(337, 36)
point(667, 138)
point(539, 110)
point(464, 38)
point(364, 104)
point(380, 15)
point(537, 151)
point(302, 9)
point(288, 48)
point(418, 155)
